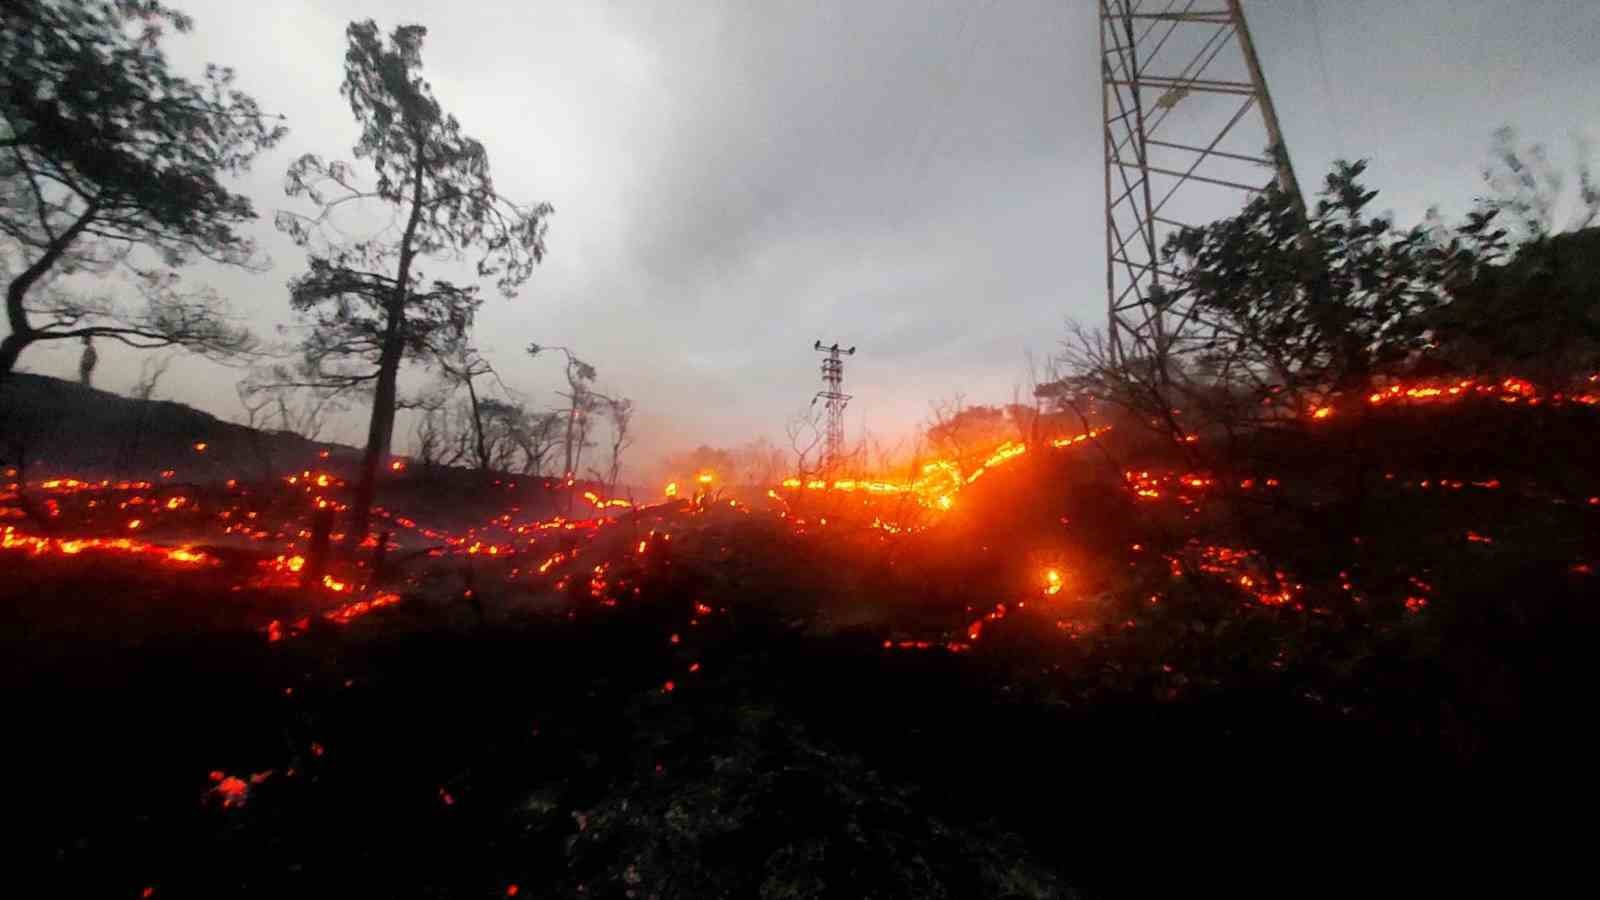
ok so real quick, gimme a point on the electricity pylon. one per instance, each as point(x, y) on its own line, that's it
point(1190, 76)
point(832, 391)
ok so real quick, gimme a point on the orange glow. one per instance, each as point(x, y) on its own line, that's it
point(940, 480)
point(200, 446)
point(1507, 390)
point(11, 539)
point(344, 615)
point(280, 523)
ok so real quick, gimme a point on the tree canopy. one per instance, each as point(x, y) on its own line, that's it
point(104, 152)
point(368, 304)
point(1297, 309)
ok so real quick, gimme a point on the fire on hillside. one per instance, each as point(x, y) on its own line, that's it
point(189, 527)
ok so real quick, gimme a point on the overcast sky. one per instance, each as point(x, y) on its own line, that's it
point(733, 180)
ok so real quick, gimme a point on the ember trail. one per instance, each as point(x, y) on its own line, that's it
point(1277, 576)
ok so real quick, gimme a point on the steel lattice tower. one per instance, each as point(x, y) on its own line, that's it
point(832, 391)
point(1190, 135)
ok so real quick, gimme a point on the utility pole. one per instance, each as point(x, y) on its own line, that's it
point(1189, 129)
point(833, 392)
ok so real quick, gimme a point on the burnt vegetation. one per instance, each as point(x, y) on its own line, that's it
point(1295, 607)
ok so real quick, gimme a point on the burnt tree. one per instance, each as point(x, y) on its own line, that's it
point(367, 301)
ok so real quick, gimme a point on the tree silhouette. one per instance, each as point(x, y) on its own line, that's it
point(619, 412)
point(368, 302)
point(1537, 316)
point(581, 403)
point(104, 153)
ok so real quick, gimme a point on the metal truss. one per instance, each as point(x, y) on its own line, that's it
point(1190, 135)
point(833, 392)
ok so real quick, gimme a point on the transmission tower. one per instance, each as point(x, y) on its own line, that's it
point(832, 391)
point(1190, 136)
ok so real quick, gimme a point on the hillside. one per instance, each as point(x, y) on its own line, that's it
point(57, 427)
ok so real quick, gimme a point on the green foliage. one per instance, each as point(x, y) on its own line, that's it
point(1317, 305)
point(1300, 309)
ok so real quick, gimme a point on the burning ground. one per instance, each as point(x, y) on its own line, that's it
point(1028, 677)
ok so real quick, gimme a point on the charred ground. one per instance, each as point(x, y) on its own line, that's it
point(715, 698)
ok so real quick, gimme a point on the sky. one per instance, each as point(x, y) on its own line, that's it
point(923, 180)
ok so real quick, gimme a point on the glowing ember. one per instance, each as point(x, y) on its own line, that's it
point(345, 614)
point(231, 791)
point(940, 480)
